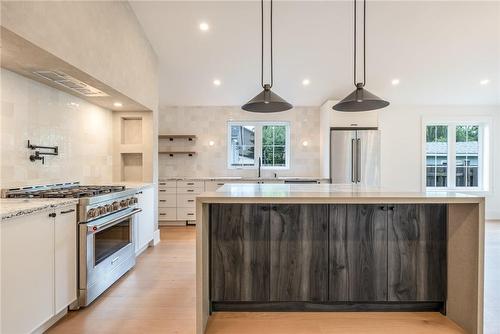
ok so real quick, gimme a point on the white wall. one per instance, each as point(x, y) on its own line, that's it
point(401, 144)
point(210, 124)
point(49, 117)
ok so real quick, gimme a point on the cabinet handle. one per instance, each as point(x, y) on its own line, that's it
point(67, 211)
point(190, 190)
point(162, 191)
point(140, 192)
point(163, 214)
point(392, 208)
point(190, 200)
point(163, 200)
point(220, 184)
point(162, 184)
point(52, 215)
point(383, 208)
point(190, 214)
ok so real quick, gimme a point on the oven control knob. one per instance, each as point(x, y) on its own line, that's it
point(108, 207)
point(124, 203)
point(102, 210)
point(116, 206)
point(92, 213)
point(131, 201)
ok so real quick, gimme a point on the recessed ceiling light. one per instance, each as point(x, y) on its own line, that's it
point(484, 82)
point(395, 82)
point(306, 82)
point(204, 26)
point(118, 104)
point(217, 82)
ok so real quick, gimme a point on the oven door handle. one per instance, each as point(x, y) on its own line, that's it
point(97, 228)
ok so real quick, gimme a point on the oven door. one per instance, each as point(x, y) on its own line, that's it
point(105, 245)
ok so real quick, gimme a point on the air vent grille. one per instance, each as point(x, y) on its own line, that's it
point(69, 82)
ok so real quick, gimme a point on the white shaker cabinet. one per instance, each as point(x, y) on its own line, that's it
point(27, 272)
point(38, 260)
point(65, 257)
point(145, 219)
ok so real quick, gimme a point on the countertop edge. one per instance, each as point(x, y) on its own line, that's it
point(35, 209)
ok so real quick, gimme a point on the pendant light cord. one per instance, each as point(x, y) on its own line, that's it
point(356, 42)
point(262, 43)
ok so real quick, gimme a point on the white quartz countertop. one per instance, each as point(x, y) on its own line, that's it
point(244, 178)
point(327, 193)
point(15, 207)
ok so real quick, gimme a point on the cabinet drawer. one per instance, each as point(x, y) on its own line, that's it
point(166, 200)
point(186, 201)
point(192, 191)
point(186, 213)
point(190, 184)
point(167, 184)
point(167, 214)
point(166, 191)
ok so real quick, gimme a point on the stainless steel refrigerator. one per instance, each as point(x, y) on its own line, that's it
point(355, 156)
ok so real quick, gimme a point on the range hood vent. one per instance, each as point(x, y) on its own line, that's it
point(69, 82)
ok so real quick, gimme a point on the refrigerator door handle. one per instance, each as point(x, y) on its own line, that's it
point(353, 161)
point(358, 160)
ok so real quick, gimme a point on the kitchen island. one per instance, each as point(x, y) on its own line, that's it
point(329, 248)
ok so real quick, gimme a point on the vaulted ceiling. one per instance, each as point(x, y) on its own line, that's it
point(442, 52)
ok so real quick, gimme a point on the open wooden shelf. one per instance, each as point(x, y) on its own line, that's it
point(172, 153)
point(173, 137)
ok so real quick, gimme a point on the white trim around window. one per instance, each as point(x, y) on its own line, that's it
point(485, 164)
point(258, 144)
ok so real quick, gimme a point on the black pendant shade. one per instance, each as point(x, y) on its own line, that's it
point(267, 102)
point(360, 100)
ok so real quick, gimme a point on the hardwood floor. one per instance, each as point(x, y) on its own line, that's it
point(158, 296)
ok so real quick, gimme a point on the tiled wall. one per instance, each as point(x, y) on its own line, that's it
point(46, 116)
point(210, 124)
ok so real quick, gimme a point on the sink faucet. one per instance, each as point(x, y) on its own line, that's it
point(260, 165)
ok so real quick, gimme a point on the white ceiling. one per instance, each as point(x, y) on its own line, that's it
point(440, 51)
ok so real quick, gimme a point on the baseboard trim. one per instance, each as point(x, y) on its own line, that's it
point(328, 307)
point(51, 322)
point(156, 237)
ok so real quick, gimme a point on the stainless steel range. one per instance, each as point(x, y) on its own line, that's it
point(106, 229)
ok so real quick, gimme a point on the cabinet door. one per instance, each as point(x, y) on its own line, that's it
point(417, 252)
point(65, 256)
point(27, 283)
point(145, 219)
point(367, 252)
point(299, 252)
point(339, 275)
point(239, 252)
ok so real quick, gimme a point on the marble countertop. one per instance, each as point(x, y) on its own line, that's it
point(15, 207)
point(328, 193)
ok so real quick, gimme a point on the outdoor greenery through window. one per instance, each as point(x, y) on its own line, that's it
point(249, 141)
point(453, 156)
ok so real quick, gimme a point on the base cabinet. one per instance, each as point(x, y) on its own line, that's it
point(240, 252)
point(38, 267)
point(299, 252)
point(350, 254)
point(145, 222)
point(417, 252)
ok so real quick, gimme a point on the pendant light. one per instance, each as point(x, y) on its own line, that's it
point(360, 99)
point(266, 101)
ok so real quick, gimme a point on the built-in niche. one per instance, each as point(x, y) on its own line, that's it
point(131, 130)
point(131, 167)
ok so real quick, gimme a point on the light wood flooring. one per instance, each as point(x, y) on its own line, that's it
point(158, 296)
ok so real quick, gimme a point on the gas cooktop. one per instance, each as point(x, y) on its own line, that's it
point(72, 190)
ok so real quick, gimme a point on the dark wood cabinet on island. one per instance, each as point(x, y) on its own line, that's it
point(327, 256)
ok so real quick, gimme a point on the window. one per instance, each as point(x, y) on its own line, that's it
point(249, 141)
point(455, 156)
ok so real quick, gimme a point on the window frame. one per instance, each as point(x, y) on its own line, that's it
point(484, 163)
point(258, 143)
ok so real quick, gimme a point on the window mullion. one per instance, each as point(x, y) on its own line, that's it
point(258, 144)
point(452, 161)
